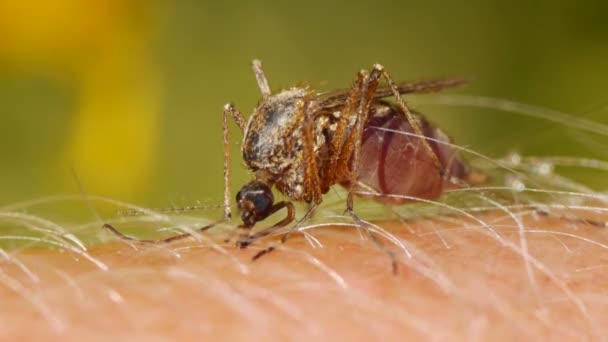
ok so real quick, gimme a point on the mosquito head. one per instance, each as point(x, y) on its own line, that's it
point(255, 202)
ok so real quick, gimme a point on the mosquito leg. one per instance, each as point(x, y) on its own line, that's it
point(229, 110)
point(368, 89)
point(339, 147)
point(389, 252)
point(170, 239)
point(291, 214)
point(411, 118)
point(311, 176)
point(589, 222)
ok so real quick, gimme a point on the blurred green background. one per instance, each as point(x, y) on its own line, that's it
point(129, 93)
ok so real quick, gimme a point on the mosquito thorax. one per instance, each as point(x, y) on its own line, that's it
point(272, 128)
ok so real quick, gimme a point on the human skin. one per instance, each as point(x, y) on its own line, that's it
point(473, 278)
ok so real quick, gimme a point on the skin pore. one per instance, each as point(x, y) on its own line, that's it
point(500, 275)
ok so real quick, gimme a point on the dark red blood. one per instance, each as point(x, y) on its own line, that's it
point(398, 165)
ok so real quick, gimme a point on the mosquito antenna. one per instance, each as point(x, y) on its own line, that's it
point(135, 212)
point(261, 78)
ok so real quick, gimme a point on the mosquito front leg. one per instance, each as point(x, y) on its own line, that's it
point(170, 239)
point(229, 110)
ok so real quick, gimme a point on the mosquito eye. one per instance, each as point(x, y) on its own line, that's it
point(255, 196)
point(261, 201)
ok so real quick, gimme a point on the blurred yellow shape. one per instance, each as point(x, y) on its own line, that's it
point(114, 137)
point(100, 47)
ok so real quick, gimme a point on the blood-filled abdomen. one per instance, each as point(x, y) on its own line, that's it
point(395, 165)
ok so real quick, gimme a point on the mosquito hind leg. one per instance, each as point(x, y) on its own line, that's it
point(367, 93)
point(411, 118)
point(363, 226)
point(571, 219)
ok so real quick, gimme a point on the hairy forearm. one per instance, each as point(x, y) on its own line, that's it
point(490, 277)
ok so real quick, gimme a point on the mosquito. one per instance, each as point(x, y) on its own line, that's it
point(302, 142)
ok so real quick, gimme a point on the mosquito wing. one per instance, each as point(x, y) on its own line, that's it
point(338, 97)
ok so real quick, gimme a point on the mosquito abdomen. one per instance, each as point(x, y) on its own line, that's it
point(396, 166)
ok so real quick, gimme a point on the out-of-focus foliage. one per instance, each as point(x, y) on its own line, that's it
point(129, 94)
